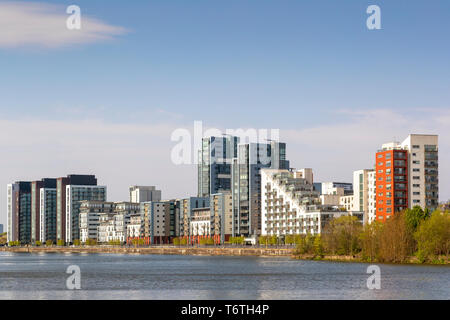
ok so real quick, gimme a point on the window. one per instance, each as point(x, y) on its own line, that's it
point(380, 156)
point(416, 162)
point(388, 163)
point(415, 146)
point(416, 178)
point(380, 163)
point(416, 170)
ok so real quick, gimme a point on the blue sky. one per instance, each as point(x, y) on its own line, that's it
point(196, 58)
point(294, 65)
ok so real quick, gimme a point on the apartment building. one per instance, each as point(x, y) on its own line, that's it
point(200, 224)
point(364, 193)
point(74, 195)
point(221, 210)
point(90, 212)
point(36, 186)
point(112, 227)
point(391, 180)
point(214, 164)
point(19, 212)
point(291, 205)
point(140, 194)
point(246, 183)
point(186, 207)
point(423, 170)
point(47, 214)
point(134, 227)
point(65, 206)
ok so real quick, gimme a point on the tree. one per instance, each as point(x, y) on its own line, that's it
point(318, 246)
point(60, 243)
point(38, 243)
point(49, 243)
point(370, 241)
point(76, 242)
point(176, 241)
point(396, 241)
point(341, 235)
point(415, 216)
point(289, 239)
point(433, 236)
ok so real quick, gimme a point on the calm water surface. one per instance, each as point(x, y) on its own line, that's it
point(115, 276)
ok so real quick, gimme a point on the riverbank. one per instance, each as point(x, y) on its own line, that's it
point(209, 251)
point(206, 251)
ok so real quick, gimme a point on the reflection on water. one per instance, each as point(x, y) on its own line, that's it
point(107, 276)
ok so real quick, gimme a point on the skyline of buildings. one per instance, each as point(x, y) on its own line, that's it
point(255, 193)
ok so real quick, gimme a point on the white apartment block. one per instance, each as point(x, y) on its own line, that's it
point(291, 206)
point(200, 224)
point(11, 191)
point(140, 194)
point(372, 191)
point(112, 227)
point(363, 189)
point(423, 170)
point(347, 202)
point(134, 226)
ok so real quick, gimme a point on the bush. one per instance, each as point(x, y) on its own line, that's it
point(76, 242)
point(60, 243)
point(91, 242)
point(49, 243)
point(210, 241)
point(38, 243)
point(176, 241)
point(14, 243)
point(183, 241)
point(114, 242)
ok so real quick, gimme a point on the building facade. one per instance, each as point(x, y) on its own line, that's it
point(74, 195)
point(140, 194)
point(423, 170)
point(292, 206)
point(47, 214)
point(246, 182)
point(214, 164)
point(391, 181)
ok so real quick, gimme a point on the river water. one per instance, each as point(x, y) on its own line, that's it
point(117, 276)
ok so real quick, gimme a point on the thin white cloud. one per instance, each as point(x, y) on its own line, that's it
point(44, 25)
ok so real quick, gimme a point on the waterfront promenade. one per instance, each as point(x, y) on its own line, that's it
point(174, 250)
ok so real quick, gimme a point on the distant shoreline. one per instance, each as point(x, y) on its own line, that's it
point(206, 251)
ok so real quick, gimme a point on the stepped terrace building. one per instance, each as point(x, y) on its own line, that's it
point(290, 205)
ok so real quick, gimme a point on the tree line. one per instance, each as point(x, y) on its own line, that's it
point(407, 234)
